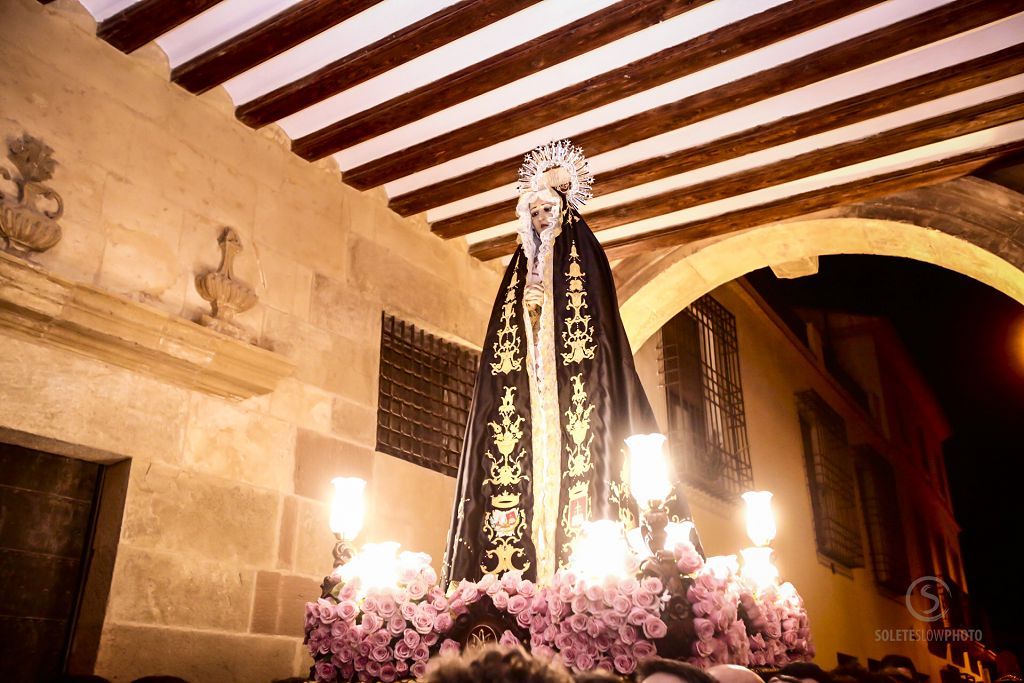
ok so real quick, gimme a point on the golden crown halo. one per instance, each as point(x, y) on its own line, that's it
point(558, 165)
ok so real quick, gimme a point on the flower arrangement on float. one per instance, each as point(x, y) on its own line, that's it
point(623, 597)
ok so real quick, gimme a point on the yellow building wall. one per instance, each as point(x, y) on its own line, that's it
point(845, 606)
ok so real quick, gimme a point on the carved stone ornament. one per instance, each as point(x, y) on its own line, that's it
point(227, 294)
point(25, 226)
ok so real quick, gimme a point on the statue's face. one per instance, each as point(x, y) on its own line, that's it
point(543, 214)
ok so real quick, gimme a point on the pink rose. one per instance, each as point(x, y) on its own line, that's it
point(326, 611)
point(508, 639)
point(704, 628)
point(373, 668)
point(642, 649)
point(621, 604)
point(688, 560)
point(401, 666)
point(645, 599)
point(584, 661)
point(625, 664)
point(580, 604)
point(524, 619)
point(411, 638)
point(655, 628)
point(430, 639)
point(418, 670)
point(370, 604)
point(500, 599)
point(325, 671)
point(628, 586)
point(396, 624)
point(423, 620)
point(578, 622)
point(443, 622)
point(386, 606)
point(347, 610)
point(339, 628)
point(651, 584)
point(637, 616)
point(612, 620)
point(421, 652)
point(402, 650)
point(407, 610)
point(627, 634)
point(450, 646)
point(527, 589)
point(486, 581)
point(380, 638)
point(703, 648)
point(594, 593)
point(380, 653)
point(457, 606)
point(440, 603)
point(517, 603)
point(371, 622)
point(417, 589)
point(429, 575)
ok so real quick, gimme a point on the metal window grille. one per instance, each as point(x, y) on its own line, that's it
point(700, 369)
point(831, 481)
point(880, 500)
point(425, 390)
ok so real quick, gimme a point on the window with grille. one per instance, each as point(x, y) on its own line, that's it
point(426, 385)
point(880, 501)
point(707, 427)
point(831, 480)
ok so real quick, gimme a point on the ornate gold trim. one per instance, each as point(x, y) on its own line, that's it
point(507, 345)
point(505, 521)
point(578, 336)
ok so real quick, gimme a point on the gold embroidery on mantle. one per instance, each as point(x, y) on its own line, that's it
point(505, 521)
point(574, 514)
point(507, 345)
point(621, 496)
point(578, 464)
point(578, 426)
point(578, 336)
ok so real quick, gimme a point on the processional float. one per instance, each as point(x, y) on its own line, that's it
point(570, 535)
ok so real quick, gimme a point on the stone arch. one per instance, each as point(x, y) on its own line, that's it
point(969, 226)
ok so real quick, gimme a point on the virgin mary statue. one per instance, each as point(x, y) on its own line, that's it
point(556, 393)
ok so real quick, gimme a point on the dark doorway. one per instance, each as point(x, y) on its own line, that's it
point(48, 505)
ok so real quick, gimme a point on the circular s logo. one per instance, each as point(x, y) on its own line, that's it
point(930, 604)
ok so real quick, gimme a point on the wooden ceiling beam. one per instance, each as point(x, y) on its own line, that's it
point(691, 56)
point(910, 136)
point(586, 34)
point(921, 175)
point(438, 29)
point(809, 202)
point(964, 76)
point(138, 24)
point(875, 46)
point(267, 39)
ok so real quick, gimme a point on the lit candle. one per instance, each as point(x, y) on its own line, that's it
point(676, 533)
point(758, 568)
point(649, 477)
point(375, 566)
point(722, 566)
point(601, 550)
point(760, 519)
point(347, 508)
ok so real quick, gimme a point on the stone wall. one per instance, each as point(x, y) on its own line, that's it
point(225, 524)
